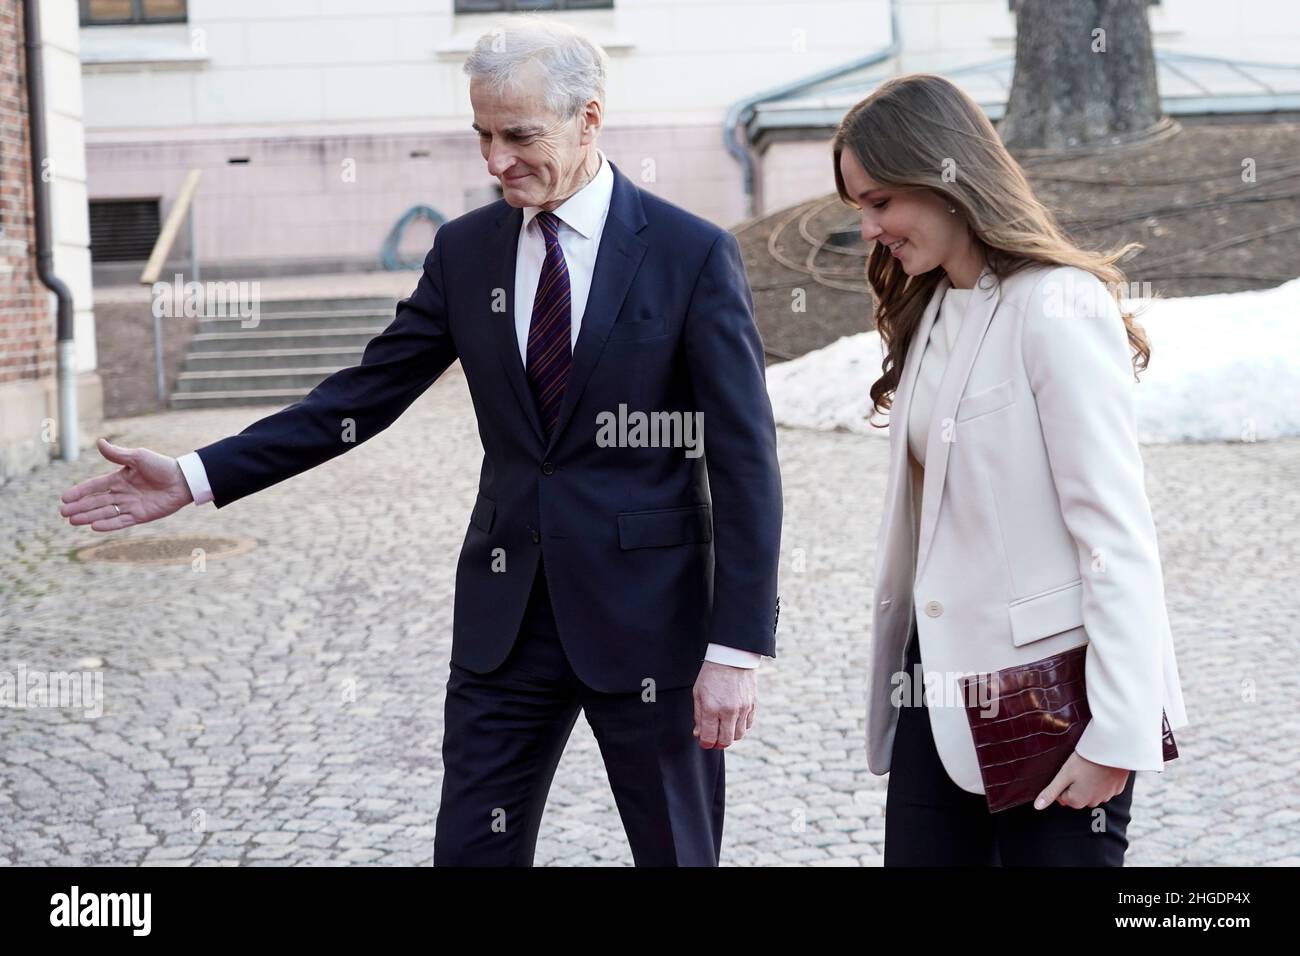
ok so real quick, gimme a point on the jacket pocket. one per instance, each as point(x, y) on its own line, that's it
point(664, 527)
point(1051, 612)
point(988, 400)
point(636, 330)
point(484, 511)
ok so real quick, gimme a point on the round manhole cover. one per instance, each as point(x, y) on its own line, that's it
point(169, 550)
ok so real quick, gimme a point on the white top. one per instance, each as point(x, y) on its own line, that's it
point(934, 360)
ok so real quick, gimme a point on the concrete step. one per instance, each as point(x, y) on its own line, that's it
point(281, 306)
point(323, 321)
point(227, 399)
point(287, 358)
point(243, 380)
point(256, 340)
point(293, 347)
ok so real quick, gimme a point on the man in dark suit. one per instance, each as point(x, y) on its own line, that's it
point(613, 563)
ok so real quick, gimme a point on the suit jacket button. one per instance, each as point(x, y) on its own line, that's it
point(548, 468)
point(537, 536)
point(933, 608)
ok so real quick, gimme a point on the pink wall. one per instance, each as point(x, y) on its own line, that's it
point(290, 201)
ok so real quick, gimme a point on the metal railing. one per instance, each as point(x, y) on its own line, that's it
point(180, 212)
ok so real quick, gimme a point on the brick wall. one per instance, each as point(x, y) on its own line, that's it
point(27, 332)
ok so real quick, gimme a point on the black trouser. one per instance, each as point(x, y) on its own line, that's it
point(503, 736)
point(930, 821)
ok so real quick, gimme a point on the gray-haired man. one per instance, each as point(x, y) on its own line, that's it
point(632, 579)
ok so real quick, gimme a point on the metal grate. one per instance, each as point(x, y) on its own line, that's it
point(122, 230)
point(506, 6)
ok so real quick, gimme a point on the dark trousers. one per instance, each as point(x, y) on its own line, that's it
point(503, 736)
point(930, 821)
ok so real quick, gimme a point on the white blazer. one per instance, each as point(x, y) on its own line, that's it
point(1036, 534)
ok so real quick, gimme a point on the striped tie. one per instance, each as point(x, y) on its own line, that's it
point(549, 355)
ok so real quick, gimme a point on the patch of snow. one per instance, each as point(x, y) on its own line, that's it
point(1223, 367)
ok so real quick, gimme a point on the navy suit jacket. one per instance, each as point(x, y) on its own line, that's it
point(650, 554)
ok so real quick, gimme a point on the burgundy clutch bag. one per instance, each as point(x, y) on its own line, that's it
point(1041, 711)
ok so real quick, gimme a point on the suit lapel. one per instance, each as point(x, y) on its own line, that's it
point(503, 323)
point(983, 303)
point(900, 480)
point(912, 362)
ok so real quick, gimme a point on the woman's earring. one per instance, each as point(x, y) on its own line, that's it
point(952, 209)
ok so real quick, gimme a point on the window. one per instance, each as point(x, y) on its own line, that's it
point(511, 6)
point(111, 12)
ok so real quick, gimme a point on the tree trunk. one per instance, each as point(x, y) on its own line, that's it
point(1085, 72)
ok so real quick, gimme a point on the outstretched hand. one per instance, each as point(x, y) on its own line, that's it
point(147, 487)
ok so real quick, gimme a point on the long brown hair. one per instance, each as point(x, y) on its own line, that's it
point(908, 134)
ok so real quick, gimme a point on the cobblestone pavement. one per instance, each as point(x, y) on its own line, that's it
point(284, 705)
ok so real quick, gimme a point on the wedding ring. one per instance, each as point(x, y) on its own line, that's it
point(114, 504)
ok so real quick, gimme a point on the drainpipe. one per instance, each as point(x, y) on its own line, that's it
point(67, 382)
point(738, 117)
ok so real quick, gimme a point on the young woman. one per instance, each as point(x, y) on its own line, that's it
point(1016, 524)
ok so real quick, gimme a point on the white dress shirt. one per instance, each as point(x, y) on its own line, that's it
point(582, 222)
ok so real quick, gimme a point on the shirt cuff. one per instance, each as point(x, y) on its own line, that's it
point(196, 476)
point(722, 654)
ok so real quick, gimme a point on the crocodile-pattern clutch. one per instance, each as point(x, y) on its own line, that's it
point(1041, 711)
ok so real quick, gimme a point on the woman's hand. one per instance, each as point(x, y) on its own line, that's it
point(148, 486)
point(1082, 783)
